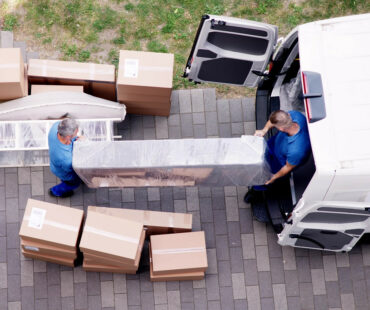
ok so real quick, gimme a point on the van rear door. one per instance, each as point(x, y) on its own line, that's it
point(230, 50)
point(327, 225)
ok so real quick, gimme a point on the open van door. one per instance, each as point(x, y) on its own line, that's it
point(230, 51)
point(327, 225)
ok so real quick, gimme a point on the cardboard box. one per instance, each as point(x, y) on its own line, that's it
point(51, 224)
point(44, 249)
point(49, 258)
point(101, 259)
point(36, 89)
point(178, 253)
point(90, 262)
point(99, 268)
point(144, 82)
point(155, 222)
point(13, 74)
point(176, 276)
point(111, 237)
point(97, 79)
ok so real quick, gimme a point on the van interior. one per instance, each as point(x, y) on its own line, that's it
point(283, 87)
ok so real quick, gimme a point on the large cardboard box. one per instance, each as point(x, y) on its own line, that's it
point(184, 252)
point(111, 237)
point(155, 222)
point(87, 266)
point(97, 79)
point(144, 82)
point(104, 260)
point(37, 89)
point(51, 224)
point(49, 258)
point(13, 74)
point(44, 249)
point(176, 276)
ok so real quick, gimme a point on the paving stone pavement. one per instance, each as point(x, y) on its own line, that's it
point(247, 268)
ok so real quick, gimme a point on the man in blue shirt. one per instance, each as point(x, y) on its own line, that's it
point(290, 146)
point(286, 150)
point(61, 137)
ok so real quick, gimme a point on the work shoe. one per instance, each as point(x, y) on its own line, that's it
point(249, 196)
point(64, 195)
point(260, 213)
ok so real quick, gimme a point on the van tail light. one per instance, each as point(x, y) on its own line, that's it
point(271, 64)
point(305, 91)
point(313, 96)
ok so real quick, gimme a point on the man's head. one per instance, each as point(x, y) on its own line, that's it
point(68, 128)
point(281, 120)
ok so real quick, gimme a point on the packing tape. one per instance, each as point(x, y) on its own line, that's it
point(111, 235)
point(96, 71)
point(179, 250)
point(92, 71)
point(146, 217)
point(57, 225)
point(44, 67)
point(170, 222)
point(155, 68)
point(9, 66)
point(188, 220)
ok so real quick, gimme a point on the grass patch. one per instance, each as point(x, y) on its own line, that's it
point(10, 22)
point(155, 46)
point(85, 30)
point(129, 7)
point(113, 57)
point(83, 56)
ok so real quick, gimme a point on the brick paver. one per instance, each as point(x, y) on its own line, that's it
point(247, 268)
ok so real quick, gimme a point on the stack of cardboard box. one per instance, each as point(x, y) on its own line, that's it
point(112, 240)
point(144, 82)
point(180, 256)
point(111, 244)
point(13, 74)
point(97, 79)
point(50, 232)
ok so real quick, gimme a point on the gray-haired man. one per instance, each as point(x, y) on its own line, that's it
point(61, 137)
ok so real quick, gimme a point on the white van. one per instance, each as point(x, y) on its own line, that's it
point(321, 68)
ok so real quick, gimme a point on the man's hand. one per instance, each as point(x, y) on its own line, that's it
point(260, 133)
point(283, 171)
point(81, 138)
point(273, 178)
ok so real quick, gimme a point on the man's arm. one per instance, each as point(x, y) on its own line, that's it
point(283, 171)
point(262, 132)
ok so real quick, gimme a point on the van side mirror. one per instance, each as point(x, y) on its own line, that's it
point(313, 96)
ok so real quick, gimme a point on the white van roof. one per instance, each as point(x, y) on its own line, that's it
point(339, 49)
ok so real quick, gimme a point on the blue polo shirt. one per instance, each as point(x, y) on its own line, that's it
point(60, 156)
point(293, 149)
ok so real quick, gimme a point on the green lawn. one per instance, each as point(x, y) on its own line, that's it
point(93, 30)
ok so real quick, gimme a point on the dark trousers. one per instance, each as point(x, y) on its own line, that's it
point(66, 186)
